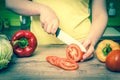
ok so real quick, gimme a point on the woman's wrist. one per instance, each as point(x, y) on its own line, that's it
point(91, 40)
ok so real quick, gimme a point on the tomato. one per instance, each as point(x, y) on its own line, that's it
point(74, 52)
point(68, 64)
point(54, 60)
point(113, 61)
point(64, 63)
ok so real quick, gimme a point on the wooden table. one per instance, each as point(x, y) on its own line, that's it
point(36, 68)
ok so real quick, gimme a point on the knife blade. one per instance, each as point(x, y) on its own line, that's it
point(67, 39)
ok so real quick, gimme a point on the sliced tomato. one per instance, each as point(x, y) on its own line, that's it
point(68, 64)
point(63, 63)
point(54, 60)
point(74, 52)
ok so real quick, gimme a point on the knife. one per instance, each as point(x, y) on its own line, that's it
point(67, 39)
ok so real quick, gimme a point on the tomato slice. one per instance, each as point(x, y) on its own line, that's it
point(64, 63)
point(68, 64)
point(74, 52)
point(54, 60)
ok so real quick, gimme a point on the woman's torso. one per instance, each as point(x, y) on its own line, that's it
point(73, 16)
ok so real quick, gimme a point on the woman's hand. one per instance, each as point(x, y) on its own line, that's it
point(99, 22)
point(48, 17)
point(48, 20)
point(89, 47)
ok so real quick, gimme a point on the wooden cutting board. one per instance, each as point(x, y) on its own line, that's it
point(37, 68)
point(42, 52)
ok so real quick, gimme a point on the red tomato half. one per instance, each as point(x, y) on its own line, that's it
point(74, 52)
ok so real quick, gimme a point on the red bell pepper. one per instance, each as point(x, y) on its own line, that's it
point(24, 43)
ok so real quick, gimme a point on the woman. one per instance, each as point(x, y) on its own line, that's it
point(70, 15)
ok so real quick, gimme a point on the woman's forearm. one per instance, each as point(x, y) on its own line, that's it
point(48, 18)
point(24, 7)
point(99, 20)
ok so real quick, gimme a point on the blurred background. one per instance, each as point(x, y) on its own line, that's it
point(11, 22)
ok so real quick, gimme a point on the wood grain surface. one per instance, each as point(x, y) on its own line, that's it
point(37, 68)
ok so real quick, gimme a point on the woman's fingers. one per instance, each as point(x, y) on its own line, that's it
point(50, 27)
point(89, 53)
point(90, 49)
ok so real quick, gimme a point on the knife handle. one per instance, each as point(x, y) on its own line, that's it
point(57, 32)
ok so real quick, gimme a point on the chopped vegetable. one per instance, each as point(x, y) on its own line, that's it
point(63, 63)
point(68, 64)
point(54, 60)
point(74, 52)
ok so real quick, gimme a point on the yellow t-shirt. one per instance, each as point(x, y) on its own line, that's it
point(73, 16)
